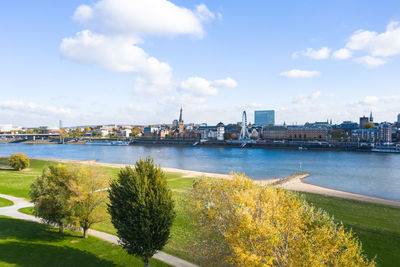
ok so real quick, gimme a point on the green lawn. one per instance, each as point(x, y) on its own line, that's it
point(17, 183)
point(5, 202)
point(25, 243)
point(377, 226)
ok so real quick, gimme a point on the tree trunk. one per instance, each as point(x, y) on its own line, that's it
point(85, 232)
point(146, 262)
point(60, 229)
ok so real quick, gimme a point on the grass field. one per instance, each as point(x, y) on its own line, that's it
point(5, 202)
point(377, 226)
point(25, 243)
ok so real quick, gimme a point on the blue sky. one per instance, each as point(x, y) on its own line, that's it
point(138, 62)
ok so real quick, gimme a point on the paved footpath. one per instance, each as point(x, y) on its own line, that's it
point(12, 211)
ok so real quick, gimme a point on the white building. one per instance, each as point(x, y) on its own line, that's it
point(125, 132)
point(103, 132)
point(220, 131)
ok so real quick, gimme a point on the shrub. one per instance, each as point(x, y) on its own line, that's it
point(19, 161)
point(241, 223)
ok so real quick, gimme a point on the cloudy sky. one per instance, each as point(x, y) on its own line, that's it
point(138, 62)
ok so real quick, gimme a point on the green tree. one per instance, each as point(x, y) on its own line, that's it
point(87, 197)
point(142, 209)
point(227, 135)
point(51, 196)
point(19, 161)
point(338, 134)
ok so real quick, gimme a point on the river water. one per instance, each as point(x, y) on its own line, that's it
point(368, 173)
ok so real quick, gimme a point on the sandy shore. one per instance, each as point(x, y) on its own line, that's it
point(293, 182)
point(296, 183)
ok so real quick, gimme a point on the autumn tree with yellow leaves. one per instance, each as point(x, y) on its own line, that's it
point(88, 192)
point(241, 223)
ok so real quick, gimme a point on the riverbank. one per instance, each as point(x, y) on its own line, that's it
point(296, 183)
point(377, 226)
point(293, 182)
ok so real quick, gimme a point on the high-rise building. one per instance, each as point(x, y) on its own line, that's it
point(385, 132)
point(398, 119)
point(264, 117)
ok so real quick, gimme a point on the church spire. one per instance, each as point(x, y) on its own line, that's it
point(180, 116)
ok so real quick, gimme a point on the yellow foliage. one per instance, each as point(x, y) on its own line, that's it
point(245, 224)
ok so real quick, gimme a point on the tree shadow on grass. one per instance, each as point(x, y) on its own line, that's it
point(28, 231)
point(30, 254)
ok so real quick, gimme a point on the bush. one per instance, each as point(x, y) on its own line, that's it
point(19, 161)
point(241, 223)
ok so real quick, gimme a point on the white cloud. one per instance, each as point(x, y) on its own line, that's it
point(228, 83)
point(138, 17)
point(83, 13)
point(295, 73)
point(342, 54)
point(116, 28)
point(322, 53)
point(371, 61)
point(377, 44)
point(118, 54)
point(198, 86)
point(31, 108)
point(203, 13)
point(303, 99)
point(201, 87)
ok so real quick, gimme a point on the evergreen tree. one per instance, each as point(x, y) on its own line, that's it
point(142, 209)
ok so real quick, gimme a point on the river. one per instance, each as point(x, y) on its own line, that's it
point(368, 173)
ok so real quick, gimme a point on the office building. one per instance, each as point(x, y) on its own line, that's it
point(264, 117)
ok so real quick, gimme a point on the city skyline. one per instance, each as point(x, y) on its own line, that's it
point(213, 58)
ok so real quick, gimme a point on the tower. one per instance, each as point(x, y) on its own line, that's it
point(371, 119)
point(180, 124)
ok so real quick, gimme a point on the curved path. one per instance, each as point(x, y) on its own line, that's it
point(12, 211)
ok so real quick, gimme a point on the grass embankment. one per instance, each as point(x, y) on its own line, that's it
point(377, 226)
point(17, 183)
point(5, 202)
point(25, 243)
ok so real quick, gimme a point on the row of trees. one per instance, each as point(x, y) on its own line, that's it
point(69, 196)
point(140, 204)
